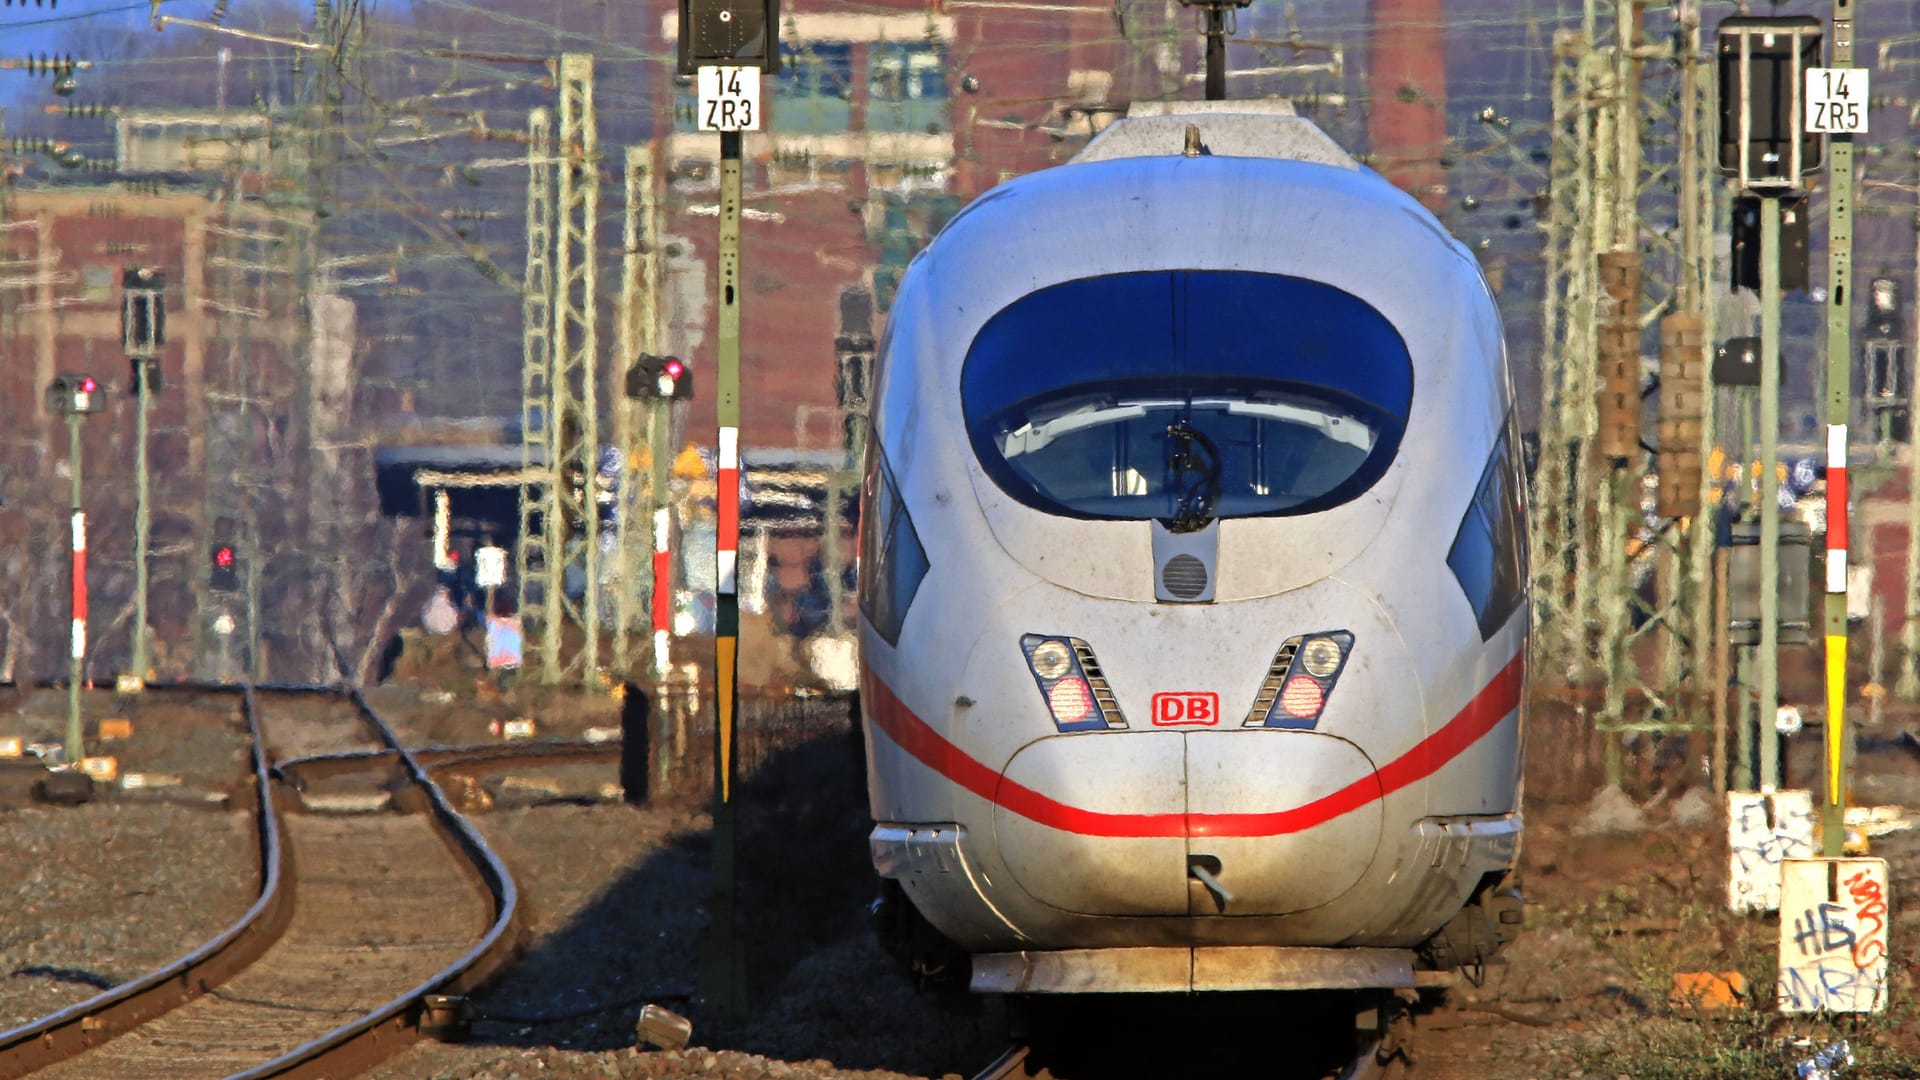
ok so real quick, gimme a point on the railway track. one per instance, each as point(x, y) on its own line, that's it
point(361, 923)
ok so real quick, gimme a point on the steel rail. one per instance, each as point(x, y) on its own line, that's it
point(76, 1028)
point(375, 1035)
point(1012, 1062)
point(383, 1032)
point(302, 770)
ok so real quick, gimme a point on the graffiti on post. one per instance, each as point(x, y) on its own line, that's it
point(1834, 916)
point(1764, 829)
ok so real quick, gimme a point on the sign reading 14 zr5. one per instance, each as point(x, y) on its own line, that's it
point(729, 98)
point(1836, 101)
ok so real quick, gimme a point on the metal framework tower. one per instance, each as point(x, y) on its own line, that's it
point(572, 525)
point(1620, 592)
point(532, 555)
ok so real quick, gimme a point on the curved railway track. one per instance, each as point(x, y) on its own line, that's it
point(361, 921)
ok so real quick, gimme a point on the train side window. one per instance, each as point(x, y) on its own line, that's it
point(1488, 556)
point(892, 559)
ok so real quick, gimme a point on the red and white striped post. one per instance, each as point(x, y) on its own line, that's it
point(662, 592)
point(1837, 508)
point(75, 747)
point(79, 585)
point(1836, 636)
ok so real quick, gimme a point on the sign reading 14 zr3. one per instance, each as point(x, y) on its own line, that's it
point(1836, 101)
point(729, 98)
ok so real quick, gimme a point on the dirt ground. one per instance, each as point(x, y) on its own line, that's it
point(1613, 915)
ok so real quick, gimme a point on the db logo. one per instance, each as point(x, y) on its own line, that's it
point(1186, 709)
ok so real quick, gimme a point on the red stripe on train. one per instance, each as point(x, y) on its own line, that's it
point(1493, 703)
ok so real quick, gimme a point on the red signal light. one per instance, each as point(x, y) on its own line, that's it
point(223, 557)
point(674, 368)
point(87, 385)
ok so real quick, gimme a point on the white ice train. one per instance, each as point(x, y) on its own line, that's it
point(1193, 584)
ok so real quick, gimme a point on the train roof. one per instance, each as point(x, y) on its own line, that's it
point(1268, 193)
point(1257, 129)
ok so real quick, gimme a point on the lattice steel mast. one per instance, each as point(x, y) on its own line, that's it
point(532, 556)
point(571, 506)
point(1621, 253)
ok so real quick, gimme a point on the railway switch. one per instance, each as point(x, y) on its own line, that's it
point(447, 1017)
point(66, 787)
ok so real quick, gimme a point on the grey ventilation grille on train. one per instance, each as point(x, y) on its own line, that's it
point(1183, 563)
point(1184, 576)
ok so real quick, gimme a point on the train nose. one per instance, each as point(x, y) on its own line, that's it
point(1249, 822)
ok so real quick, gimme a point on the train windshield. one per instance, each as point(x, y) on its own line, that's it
point(1186, 395)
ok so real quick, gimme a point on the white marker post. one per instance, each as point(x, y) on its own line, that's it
point(1764, 830)
point(1835, 915)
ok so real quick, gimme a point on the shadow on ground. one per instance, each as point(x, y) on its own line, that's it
point(818, 985)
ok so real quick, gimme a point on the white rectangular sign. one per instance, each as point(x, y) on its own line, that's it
point(729, 98)
point(1836, 101)
point(1763, 831)
point(490, 567)
point(1835, 915)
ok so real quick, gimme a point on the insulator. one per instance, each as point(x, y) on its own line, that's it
point(1683, 391)
point(1619, 348)
point(219, 12)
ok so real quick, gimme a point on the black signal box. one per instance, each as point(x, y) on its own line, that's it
point(1763, 60)
point(1796, 246)
point(75, 395)
point(729, 33)
point(1736, 362)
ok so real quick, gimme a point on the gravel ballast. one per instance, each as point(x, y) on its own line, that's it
point(99, 894)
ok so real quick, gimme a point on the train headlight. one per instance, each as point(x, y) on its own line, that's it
point(1051, 659)
point(1071, 683)
point(1300, 680)
point(1321, 657)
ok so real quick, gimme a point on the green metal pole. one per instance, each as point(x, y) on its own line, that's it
point(1767, 707)
point(1839, 393)
point(141, 517)
point(75, 747)
point(723, 975)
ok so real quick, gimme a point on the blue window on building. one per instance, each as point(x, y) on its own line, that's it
point(906, 87)
point(813, 94)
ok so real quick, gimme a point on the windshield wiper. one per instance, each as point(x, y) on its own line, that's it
point(1187, 445)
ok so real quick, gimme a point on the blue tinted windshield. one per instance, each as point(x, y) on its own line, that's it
point(1186, 395)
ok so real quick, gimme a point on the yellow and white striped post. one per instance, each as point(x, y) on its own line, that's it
point(1839, 404)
